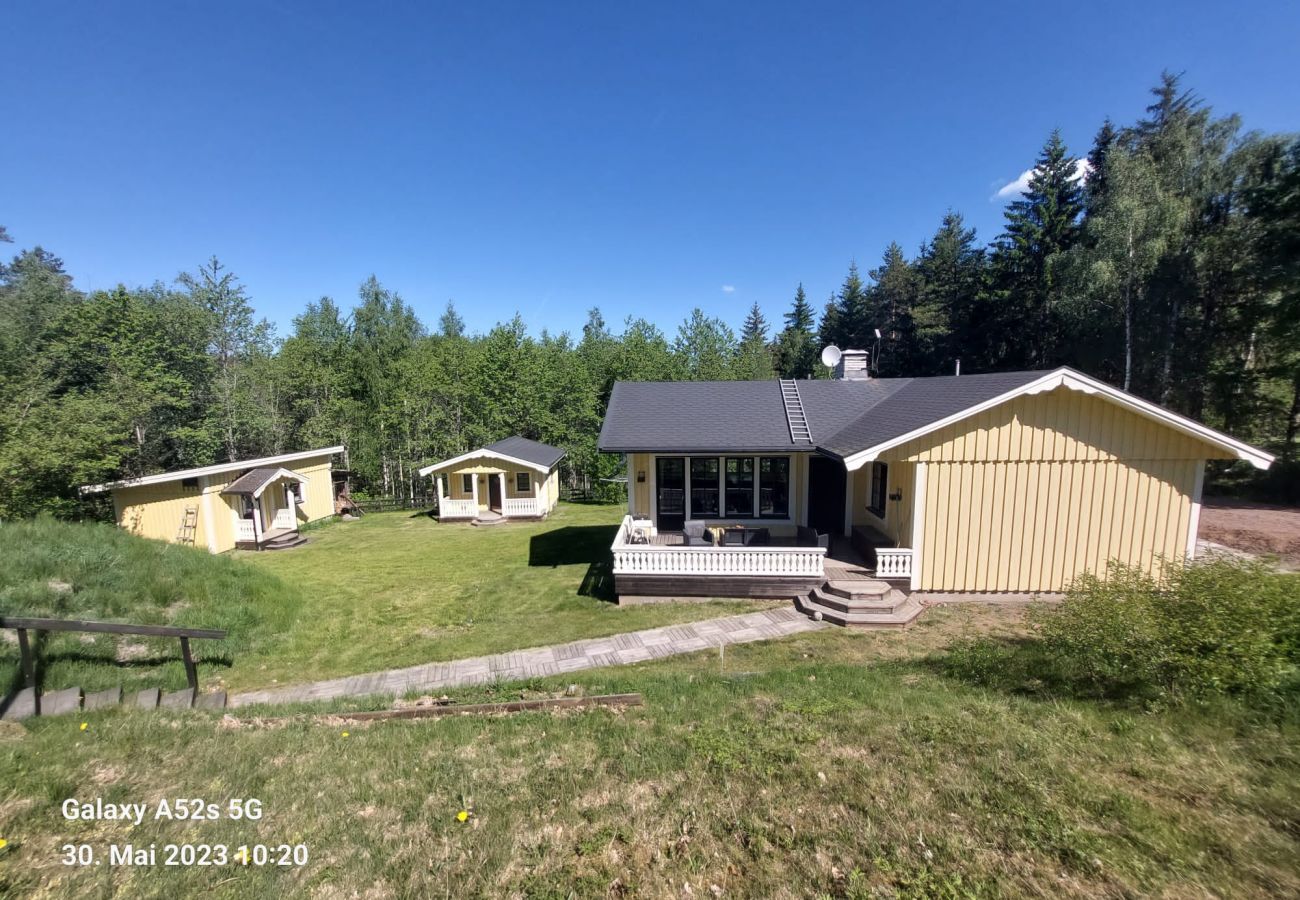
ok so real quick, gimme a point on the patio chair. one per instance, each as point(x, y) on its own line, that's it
point(693, 531)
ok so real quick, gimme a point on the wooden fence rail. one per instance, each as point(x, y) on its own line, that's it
point(23, 624)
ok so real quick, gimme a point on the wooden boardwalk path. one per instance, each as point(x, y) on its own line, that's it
point(615, 650)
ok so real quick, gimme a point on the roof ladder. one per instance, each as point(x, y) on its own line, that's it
point(794, 413)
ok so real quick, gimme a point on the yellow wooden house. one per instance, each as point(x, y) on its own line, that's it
point(250, 504)
point(514, 478)
point(1013, 482)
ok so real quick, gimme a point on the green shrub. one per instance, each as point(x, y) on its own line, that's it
point(1215, 627)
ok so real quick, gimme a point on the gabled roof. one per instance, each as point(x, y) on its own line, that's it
point(851, 420)
point(218, 469)
point(519, 450)
point(252, 484)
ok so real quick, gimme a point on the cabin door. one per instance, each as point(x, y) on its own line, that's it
point(494, 492)
point(826, 483)
point(670, 493)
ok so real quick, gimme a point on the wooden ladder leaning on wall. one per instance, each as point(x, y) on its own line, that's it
point(189, 522)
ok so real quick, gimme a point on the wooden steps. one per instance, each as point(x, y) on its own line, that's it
point(861, 604)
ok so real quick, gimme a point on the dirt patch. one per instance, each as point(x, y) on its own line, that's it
point(1254, 527)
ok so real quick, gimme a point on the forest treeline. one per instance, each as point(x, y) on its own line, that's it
point(1165, 260)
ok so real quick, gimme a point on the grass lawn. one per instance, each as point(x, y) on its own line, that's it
point(831, 764)
point(390, 590)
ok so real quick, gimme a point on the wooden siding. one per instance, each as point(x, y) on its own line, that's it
point(897, 522)
point(1030, 494)
point(155, 510)
point(544, 486)
point(1057, 425)
point(1035, 526)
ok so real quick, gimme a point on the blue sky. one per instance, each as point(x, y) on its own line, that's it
point(549, 157)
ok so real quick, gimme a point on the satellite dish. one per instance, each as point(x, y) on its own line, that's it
point(831, 356)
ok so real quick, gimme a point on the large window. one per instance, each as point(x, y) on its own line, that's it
point(740, 487)
point(704, 487)
point(774, 487)
point(879, 487)
point(734, 487)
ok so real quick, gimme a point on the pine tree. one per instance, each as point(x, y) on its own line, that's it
point(796, 345)
point(1040, 227)
point(829, 330)
point(855, 313)
point(948, 311)
point(1094, 187)
point(754, 356)
point(894, 296)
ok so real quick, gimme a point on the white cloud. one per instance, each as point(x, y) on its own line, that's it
point(728, 289)
point(1021, 184)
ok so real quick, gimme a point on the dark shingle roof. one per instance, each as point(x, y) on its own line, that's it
point(535, 452)
point(844, 416)
point(251, 481)
point(918, 403)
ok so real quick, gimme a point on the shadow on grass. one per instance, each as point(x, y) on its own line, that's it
point(1019, 666)
point(574, 545)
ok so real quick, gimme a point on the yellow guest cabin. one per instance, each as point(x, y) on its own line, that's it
point(514, 478)
point(251, 504)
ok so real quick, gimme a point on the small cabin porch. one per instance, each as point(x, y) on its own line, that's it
point(266, 503)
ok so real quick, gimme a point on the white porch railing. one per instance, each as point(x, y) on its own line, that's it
point(284, 518)
point(521, 506)
point(244, 532)
point(653, 559)
point(893, 562)
point(457, 509)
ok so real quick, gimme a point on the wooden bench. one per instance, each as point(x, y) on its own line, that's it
point(23, 625)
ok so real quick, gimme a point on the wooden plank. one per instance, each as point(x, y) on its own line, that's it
point(22, 623)
point(429, 712)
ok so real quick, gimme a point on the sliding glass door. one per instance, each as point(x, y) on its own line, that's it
point(670, 493)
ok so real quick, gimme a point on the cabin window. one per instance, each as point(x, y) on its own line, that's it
point(740, 487)
point(248, 507)
point(522, 485)
point(190, 484)
point(774, 487)
point(295, 492)
point(467, 484)
point(704, 487)
point(879, 486)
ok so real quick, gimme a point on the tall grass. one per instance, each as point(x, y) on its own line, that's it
point(93, 571)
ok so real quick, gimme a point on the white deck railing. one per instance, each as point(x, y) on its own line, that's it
point(284, 518)
point(457, 509)
point(244, 532)
point(653, 559)
point(521, 506)
point(893, 562)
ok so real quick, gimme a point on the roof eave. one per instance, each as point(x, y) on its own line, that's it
point(202, 471)
point(1076, 381)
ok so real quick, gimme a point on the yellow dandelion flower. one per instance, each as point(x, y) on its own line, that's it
point(3, 843)
point(85, 725)
point(345, 734)
point(462, 816)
